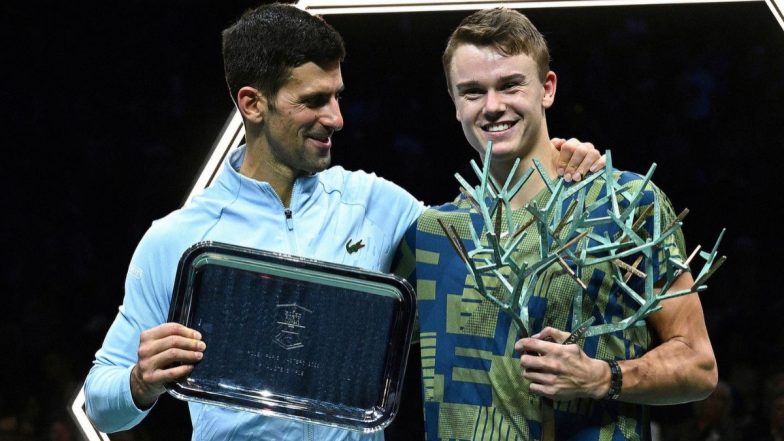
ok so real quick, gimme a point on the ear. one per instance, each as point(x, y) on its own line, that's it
point(550, 81)
point(452, 97)
point(252, 104)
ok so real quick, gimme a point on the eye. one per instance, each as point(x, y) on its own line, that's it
point(315, 101)
point(471, 94)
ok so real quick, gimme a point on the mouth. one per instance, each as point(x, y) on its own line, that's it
point(498, 127)
point(321, 141)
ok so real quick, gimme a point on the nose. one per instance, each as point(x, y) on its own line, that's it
point(494, 104)
point(331, 116)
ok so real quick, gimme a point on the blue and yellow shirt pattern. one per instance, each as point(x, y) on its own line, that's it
point(472, 381)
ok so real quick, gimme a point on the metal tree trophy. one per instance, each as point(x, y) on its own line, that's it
point(503, 235)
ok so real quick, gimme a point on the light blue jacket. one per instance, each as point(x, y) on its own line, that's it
point(327, 210)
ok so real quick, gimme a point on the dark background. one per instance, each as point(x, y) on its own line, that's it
point(109, 110)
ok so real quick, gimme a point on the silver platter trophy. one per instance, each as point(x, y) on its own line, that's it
point(294, 337)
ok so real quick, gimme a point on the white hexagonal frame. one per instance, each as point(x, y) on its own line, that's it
point(233, 133)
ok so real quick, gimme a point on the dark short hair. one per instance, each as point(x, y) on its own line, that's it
point(508, 31)
point(267, 42)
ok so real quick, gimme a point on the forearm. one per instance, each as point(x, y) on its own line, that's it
point(683, 367)
point(674, 372)
point(108, 399)
point(680, 369)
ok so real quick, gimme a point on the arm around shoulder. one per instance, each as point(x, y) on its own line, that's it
point(396, 204)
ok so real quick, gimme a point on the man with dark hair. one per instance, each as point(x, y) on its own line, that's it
point(275, 193)
point(481, 380)
point(260, 49)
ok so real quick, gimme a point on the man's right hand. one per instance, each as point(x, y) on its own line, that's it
point(166, 353)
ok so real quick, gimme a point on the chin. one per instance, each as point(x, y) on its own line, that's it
point(321, 165)
point(503, 153)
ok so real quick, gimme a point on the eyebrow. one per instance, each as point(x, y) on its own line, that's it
point(514, 77)
point(505, 79)
point(320, 93)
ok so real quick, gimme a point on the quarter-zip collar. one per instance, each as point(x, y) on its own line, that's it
point(302, 194)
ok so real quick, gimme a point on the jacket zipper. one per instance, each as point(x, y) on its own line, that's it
point(289, 221)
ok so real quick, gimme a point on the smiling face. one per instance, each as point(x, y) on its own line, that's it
point(501, 98)
point(298, 124)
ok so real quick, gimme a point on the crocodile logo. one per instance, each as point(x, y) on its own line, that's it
point(353, 248)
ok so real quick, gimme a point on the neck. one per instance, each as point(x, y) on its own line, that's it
point(258, 166)
point(547, 155)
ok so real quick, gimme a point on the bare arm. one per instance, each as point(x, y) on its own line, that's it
point(680, 369)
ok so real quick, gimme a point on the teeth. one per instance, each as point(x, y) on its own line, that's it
point(497, 127)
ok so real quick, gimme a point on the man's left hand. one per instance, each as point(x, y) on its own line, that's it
point(576, 159)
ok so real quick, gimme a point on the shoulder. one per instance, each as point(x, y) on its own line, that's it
point(383, 201)
point(626, 178)
point(635, 181)
point(456, 213)
point(189, 220)
point(457, 207)
point(338, 178)
point(627, 186)
point(358, 183)
point(167, 238)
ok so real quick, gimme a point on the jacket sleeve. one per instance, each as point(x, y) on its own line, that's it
point(148, 284)
point(389, 198)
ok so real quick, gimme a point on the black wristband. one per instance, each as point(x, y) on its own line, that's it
point(616, 380)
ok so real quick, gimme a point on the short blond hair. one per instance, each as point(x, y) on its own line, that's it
point(508, 31)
